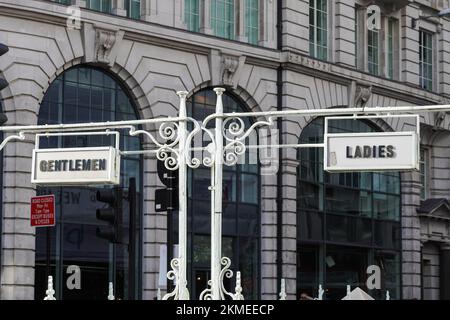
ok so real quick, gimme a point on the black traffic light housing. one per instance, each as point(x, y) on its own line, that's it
point(166, 199)
point(3, 83)
point(112, 214)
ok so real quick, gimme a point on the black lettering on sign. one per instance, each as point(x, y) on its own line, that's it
point(366, 152)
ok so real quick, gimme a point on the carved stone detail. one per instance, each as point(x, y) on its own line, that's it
point(230, 65)
point(360, 94)
point(104, 43)
point(101, 43)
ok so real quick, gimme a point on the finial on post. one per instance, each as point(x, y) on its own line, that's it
point(111, 291)
point(158, 294)
point(283, 290)
point(50, 292)
point(182, 94)
point(321, 292)
point(238, 290)
point(219, 91)
point(388, 296)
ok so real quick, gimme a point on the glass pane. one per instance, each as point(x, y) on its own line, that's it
point(308, 270)
point(349, 229)
point(344, 266)
point(310, 225)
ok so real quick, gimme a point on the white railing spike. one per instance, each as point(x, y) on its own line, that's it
point(238, 290)
point(50, 292)
point(283, 290)
point(111, 292)
point(158, 294)
point(388, 296)
point(348, 289)
point(321, 292)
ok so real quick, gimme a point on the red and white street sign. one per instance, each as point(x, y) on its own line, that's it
point(43, 211)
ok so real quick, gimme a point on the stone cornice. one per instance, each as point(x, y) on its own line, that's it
point(344, 75)
point(146, 32)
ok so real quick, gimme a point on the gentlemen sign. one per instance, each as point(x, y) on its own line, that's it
point(372, 151)
point(76, 166)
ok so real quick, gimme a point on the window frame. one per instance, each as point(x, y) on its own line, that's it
point(387, 63)
point(314, 28)
point(230, 24)
point(424, 163)
point(423, 81)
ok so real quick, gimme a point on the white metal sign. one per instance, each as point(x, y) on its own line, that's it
point(76, 166)
point(371, 151)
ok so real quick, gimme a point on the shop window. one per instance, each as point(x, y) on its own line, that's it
point(346, 217)
point(86, 94)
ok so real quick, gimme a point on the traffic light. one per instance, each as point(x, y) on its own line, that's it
point(112, 214)
point(3, 83)
point(166, 199)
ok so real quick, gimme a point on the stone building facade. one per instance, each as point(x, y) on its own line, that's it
point(303, 55)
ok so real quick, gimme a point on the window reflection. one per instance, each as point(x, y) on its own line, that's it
point(347, 216)
point(240, 218)
point(86, 94)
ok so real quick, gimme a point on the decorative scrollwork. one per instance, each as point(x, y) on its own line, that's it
point(170, 157)
point(232, 152)
point(235, 134)
point(225, 272)
point(167, 152)
point(207, 293)
point(180, 292)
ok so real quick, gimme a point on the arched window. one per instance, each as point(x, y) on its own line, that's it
point(241, 232)
point(346, 221)
point(86, 94)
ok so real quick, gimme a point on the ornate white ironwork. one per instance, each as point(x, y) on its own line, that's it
point(283, 290)
point(50, 292)
point(174, 148)
point(111, 291)
point(238, 289)
point(20, 136)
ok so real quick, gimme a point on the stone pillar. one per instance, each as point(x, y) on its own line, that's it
point(205, 17)
point(289, 211)
point(179, 14)
point(411, 245)
point(444, 58)
point(445, 271)
point(410, 46)
point(296, 25)
point(149, 10)
point(345, 38)
point(118, 8)
point(241, 23)
point(267, 25)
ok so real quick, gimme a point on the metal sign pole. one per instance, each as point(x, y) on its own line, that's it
point(216, 215)
point(179, 265)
